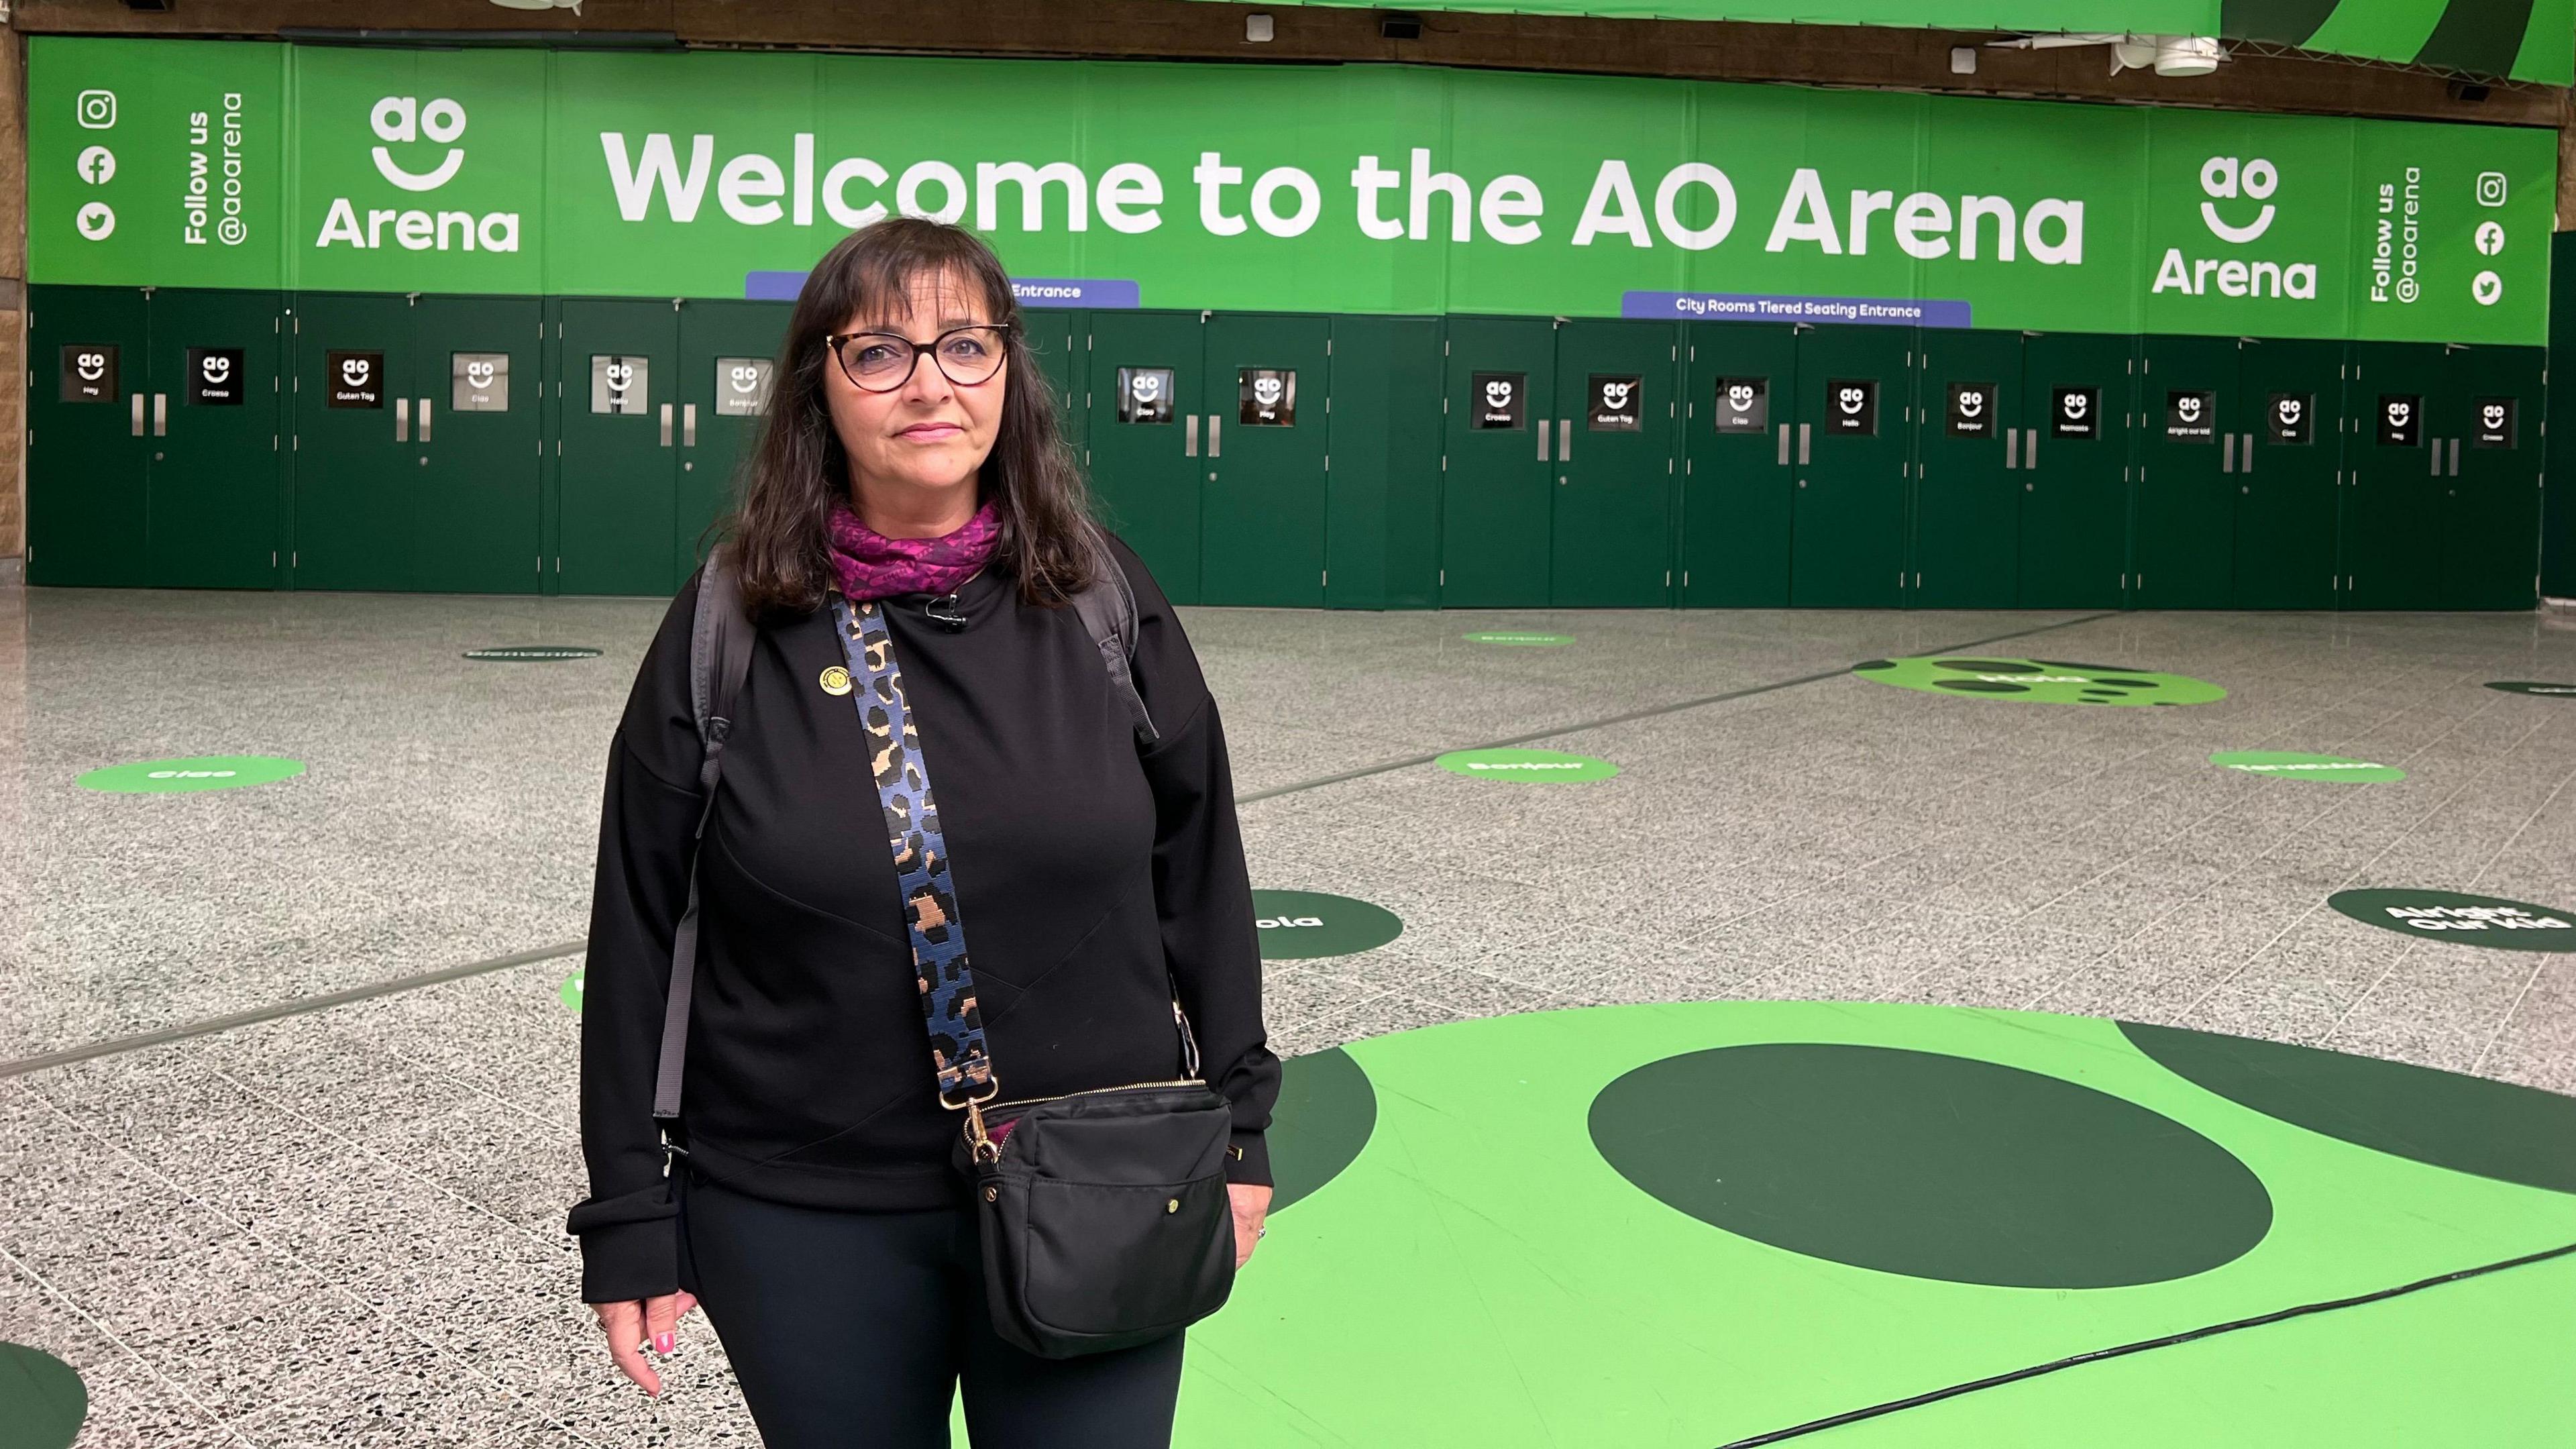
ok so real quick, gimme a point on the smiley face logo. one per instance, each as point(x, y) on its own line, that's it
point(2491, 414)
point(2187, 408)
point(89, 366)
point(1739, 396)
point(2224, 179)
point(1146, 386)
point(1850, 399)
point(1971, 404)
point(1266, 390)
point(478, 374)
point(620, 376)
point(2077, 405)
point(743, 378)
point(2400, 413)
point(216, 367)
point(1498, 393)
point(401, 120)
point(2290, 410)
point(353, 372)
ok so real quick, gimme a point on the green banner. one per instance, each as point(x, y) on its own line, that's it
point(1349, 188)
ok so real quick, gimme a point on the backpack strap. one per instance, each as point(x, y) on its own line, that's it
point(720, 643)
point(1108, 609)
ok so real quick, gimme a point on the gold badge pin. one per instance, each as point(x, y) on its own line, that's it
point(836, 680)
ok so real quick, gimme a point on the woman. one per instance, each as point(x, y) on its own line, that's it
point(910, 458)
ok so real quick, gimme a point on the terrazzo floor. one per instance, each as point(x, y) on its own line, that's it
point(344, 1225)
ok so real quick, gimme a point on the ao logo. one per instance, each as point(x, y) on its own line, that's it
point(620, 375)
point(91, 366)
point(2399, 413)
point(2223, 179)
point(1265, 391)
point(1498, 394)
point(2189, 408)
point(405, 119)
point(1614, 395)
point(216, 367)
point(743, 377)
point(479, 375)
point(2492, 414)
point(2290, 409)
point(1851, 398)
point(1739, 396)
point(1147, 386)
point(2077, 404)
point(1971, 404)
point(353, 371)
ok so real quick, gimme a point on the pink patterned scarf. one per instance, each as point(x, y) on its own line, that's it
point(873, 566)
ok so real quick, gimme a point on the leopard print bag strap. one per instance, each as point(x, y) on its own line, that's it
point(920, 857)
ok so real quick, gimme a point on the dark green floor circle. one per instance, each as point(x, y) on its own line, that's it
point(42, 1401)
point(2461, 919)
point(1296, 925)
point(2533, 686)
point(1929, 1165)
point(2468, 1124)
point(1326, 1111)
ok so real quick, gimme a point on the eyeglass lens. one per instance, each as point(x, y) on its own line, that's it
point(882, 360)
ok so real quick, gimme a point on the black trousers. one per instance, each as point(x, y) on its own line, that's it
point(852, 1330)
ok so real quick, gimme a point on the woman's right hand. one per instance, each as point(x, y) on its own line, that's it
point(647, 1323)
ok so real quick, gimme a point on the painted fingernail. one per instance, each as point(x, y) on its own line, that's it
point(664, 1343)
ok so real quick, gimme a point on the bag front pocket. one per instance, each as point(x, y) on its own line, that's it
point(1107, 1258)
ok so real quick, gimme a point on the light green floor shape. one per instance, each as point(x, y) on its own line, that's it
point(1481, 1277)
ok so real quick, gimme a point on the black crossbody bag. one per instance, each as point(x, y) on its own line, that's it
point(1103, 1215)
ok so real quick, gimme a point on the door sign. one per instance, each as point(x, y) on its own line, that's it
point(2291, 417)
point(89, 372)
point(619, 384)
point(1851, 406)
point(1269, 396)
point(2191, 417)
point(1500, 400)
point(2491, 422)
point(1145, 394)
point(1972, 410)
point(1743, 405)
point(2401, 419)
point(1617, 404)
point(482, 382)
point(353, 379)
point(215, 377)
point(2075, 412)
point(742, 386)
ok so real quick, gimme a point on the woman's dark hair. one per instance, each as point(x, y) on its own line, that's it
point(786, 489)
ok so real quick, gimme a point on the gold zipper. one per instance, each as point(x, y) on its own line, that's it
point(985, 1149)
point(1093, 1091)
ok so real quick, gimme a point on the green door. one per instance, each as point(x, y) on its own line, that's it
point(355, 462)
point(2287, 467)
point(88, 410)
point(211, 492)
point(1261, 514)
point(2189, 416)
point(1739, 385)
point(1847, 534)
point(618, 367)
point(1149, 401)
point(2074, 465)
point(477, 424)
point(1611, 518)
point(1967, 470)
point(2491, 474)
point(1499, 462)
point(2393, 513)
point(728, 353)
point(1061, 338)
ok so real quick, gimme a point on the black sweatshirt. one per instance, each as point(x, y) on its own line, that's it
point(1092, 879)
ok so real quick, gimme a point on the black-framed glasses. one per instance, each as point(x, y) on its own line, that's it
point(882, 361)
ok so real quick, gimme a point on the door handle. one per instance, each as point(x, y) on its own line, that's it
point(402, 420)
point(424, 420)
point(2455, 457)
point(666, 425)
point(1784, 445)
point(1805, 435)
point(2012, 441)
point(2228, 463)
point(2437, 457)
point(1190, 436)
point(2249, 454)
point(160, 414)
point(2030, 449)
point(138, 415)
point(1213, 439)
point(1542, 440)
point(1564, 439)
point(688, 424)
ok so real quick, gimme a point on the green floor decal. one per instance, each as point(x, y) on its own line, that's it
point(2528, 686)
point(2290, 765)
point(1549, 766)
point(1499, 636)
point(1930, 1165)
point(1480, 1274)
point(2463, 920)
point(530, 653)
point(191, 775)
point(1299, 924)
point(1329, 1099)
point(42, 1401)
point(570, 993)
point(2039, 681)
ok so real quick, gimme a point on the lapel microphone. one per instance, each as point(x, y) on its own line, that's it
point(943, 612)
